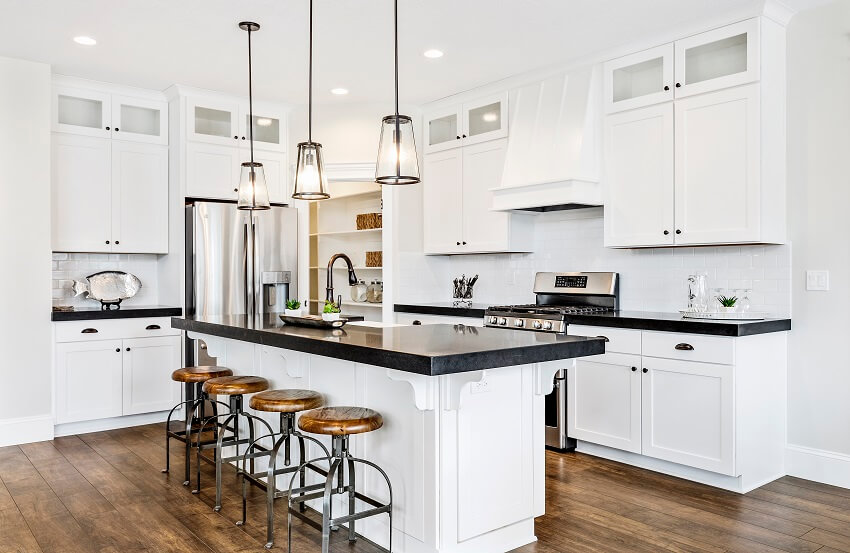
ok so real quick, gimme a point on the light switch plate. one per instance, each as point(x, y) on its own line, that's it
point(817, 281)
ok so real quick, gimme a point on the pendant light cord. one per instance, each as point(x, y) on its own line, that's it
point(310, 81)
point(250, 100)
point(397, 140)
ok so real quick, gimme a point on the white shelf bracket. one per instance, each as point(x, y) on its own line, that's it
point(424, 387)
point(544, 375)
point(453, 384)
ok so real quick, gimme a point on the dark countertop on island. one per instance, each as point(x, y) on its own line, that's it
point(127, 312)
point(637, 320)
point(428, 349)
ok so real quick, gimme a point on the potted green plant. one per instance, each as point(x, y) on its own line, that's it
point(330, 312)
point(293, 308)
point(727, 303)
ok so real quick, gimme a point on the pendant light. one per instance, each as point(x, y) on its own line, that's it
point(253, 193)
point(397, 161)
point(311, 182)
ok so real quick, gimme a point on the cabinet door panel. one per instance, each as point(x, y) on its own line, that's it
point(269, 128)
point(212, 171)
point(604, 401)
point(140, 120)
point(484, 230)
point(88, 380)
point(443, 128)
point(81, 201)
point(147, 367)
point(274, 167)
point(443, 201)
point(78, 111)
point(639, 177)
point(717, 167)
point(688, 414)
point(139, 197)
point(213, 121)
point(485, 119)
point(639, 79)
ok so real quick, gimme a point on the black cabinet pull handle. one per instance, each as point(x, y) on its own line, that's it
point(117, 242)
point(678, 231)
point(464, 243)
point(684, 347)
point(107, 241)
point(243, 138)
point(88, 331)
point(128, 349)
point(458, 137)
point(117, 129)
point(645, 370)
point(235, 138)
point(458, 243)
point(417, 323)
point(604, 338)
point(678, 85)
point(117, 350)
point(666, 232)
point(666, 88)
point(152, 327)
point(464, 136)
point(634, 369)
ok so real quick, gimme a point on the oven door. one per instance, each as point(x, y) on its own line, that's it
point(556, 415)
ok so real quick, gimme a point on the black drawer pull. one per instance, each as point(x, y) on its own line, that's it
point(88, 331)
point(152, 327)
point(634, 369)
point(417, 322)
point(604, 338)
point(645, 370)
point(684, 347)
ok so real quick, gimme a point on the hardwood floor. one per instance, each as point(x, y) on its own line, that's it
point(104, 493)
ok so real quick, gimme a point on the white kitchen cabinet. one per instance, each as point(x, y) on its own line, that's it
point(269, 127)
point(139, 198)
point(109, 195)
point(81, 194)
point(147, 367)
point(688, 414)
point(88, 380)
point(81, 111)
point(718, 192)
point(466, 124)
point(139, 120)
point(604, 401)
point(213, 120)
point(639, 153)
point(720, 58)
point(274, 167)
point(639, 79)
point(212, 171)
point(457, 200)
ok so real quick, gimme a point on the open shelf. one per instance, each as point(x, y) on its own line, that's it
point(345, 232)
point(354, 195)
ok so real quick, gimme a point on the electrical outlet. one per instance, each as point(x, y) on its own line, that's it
point(479, 387)
point(817, 281)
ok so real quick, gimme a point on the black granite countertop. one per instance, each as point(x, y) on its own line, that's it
point(126, 312)
point(428, 349)
point(638, 320)
point(475, 311)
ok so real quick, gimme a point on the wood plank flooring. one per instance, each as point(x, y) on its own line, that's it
point(104, 493)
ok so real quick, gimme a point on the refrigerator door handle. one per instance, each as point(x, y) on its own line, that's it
point(256, 269)
point(249, 276)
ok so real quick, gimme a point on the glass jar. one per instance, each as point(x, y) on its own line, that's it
point(697, 293)
point(375, 292)
point(359, 291)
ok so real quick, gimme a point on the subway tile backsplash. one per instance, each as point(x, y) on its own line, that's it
point(70, 266)
point(651, 279)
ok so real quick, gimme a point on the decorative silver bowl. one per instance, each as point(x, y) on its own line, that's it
point(108, 287)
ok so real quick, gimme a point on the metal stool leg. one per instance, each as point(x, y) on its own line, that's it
point(327, 505)
point(351, 496)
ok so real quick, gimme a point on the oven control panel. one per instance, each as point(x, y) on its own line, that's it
point(570, 281)
point(526, 323)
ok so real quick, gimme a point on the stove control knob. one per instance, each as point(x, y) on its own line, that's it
point(547, 325)
point(537, 325)
point(503, 321)
point(493, 320)
point(519, 323)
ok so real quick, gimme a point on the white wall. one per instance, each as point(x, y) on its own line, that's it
point(819, 184)
point(25, 331)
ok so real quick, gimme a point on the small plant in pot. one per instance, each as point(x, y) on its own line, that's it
point(330, 312)
point(727, 304)
point(293, 308)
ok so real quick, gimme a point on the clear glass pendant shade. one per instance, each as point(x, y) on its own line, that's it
point(311, 181)
point(397, 161)
point(253, 192)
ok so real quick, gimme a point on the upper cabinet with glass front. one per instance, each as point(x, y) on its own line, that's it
point(98, 113)
point(226, 122)
point(721, 58)
point(466, 124)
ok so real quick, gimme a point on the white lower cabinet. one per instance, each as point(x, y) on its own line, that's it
point(101, 376)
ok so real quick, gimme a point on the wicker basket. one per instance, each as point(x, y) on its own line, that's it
point(369, 221)
point(374, 259)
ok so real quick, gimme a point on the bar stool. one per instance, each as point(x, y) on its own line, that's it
point(339, 423)
point(192, 379)
point(287, 403)
point(235, 387)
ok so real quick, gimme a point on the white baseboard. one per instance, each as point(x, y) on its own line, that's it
point(99, 425)
point(25, 430)
point(818, 465)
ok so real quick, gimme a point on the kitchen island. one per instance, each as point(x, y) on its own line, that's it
point(463, 434)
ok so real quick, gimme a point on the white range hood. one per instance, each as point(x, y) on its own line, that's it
point(553, 156)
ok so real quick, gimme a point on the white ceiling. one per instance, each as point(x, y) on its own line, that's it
point(156, 43)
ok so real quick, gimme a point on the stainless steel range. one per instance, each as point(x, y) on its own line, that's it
point(559, 295)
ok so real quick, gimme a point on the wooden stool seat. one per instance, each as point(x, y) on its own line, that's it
point(235, 385)
point(286, 401)
point(199, 374)
point(340, 421)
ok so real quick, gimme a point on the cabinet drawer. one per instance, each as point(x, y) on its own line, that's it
point(620, 340)
point(689, 347)
point(112, 329)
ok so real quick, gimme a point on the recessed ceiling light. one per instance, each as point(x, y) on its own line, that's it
point(339, 91)
point(433, 54)
point(490, 117)
point(85, 40)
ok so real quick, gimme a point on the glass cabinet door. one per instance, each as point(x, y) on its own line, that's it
point(140, 120)
point(443, 129)
point(269, 128)
point(640, 79)
point(485, 119)
point(717, 59)
point(209, 120)
point(78, 111)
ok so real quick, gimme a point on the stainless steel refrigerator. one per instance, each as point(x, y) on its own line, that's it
point(234, 268)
